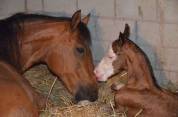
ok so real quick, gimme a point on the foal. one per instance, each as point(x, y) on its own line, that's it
point(141, 90)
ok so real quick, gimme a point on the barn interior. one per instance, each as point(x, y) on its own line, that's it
point(154, 28)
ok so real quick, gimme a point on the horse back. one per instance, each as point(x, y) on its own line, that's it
point(16, 99)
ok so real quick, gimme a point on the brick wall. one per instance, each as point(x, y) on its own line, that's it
point(154, 26)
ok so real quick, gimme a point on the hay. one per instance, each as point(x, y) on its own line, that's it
point(42, 80)
point(61, 103)
point(91, 110)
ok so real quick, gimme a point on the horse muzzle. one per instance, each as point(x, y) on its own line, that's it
point(89, 93)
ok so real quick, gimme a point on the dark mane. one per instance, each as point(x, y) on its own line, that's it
point(12, 27)
point(85, 33)
point(9, 42)
point(22, 17)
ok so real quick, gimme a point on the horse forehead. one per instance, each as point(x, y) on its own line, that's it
point(56, 30)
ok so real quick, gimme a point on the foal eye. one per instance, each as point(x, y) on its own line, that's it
point(80, 50)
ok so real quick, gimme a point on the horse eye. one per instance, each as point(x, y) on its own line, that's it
point(80, 50)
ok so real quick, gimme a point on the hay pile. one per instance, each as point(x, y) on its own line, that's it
point(60, 102)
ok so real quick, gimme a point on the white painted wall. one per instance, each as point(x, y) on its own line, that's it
point(154, 26)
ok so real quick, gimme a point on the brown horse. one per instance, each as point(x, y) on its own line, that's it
point(17, 98)
point(141, 90)
point(63, 44)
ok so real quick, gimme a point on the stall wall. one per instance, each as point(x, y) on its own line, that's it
point(154, 26)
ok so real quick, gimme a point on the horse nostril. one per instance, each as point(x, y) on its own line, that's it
point(96, 74)
point(87, 93)
point(97, 78)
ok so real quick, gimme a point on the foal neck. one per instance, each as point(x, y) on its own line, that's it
point(139, 72)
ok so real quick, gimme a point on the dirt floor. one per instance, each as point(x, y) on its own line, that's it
point(60, 103)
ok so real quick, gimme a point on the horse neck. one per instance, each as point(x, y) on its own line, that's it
point(37, 36)
point(28, 50)
point(139, 73)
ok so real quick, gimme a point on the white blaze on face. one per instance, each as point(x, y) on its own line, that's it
point(105, 68)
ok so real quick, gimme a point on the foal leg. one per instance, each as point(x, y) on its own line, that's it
point(129, 98)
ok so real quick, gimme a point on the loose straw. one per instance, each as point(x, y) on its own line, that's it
point(49, 93)
point(123, 74)
point(114, 113)
point(138, 113)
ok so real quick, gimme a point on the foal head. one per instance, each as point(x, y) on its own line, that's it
point(115, 60)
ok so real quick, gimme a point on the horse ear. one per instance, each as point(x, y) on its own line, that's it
point(76, 18)
point(121, 39)
point(123, 36)
point(120, 35)
point(126, 31)
point(86, 19)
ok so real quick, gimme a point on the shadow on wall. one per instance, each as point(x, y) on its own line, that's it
point(98, 49)
point(155, 61)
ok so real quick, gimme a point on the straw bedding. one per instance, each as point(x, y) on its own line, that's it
point(60, 102)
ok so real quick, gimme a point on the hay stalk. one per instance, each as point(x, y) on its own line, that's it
point(49, 93)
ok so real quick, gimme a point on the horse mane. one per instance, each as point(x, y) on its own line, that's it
point(12, 27)
point(9, 42)
point(85, 33)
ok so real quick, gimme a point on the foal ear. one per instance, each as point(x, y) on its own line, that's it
point(76, 18)
point(86, 19)
point(123, 36)
point(126, 31)
point(121, 39)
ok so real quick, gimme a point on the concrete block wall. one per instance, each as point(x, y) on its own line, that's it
point(154, 26)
